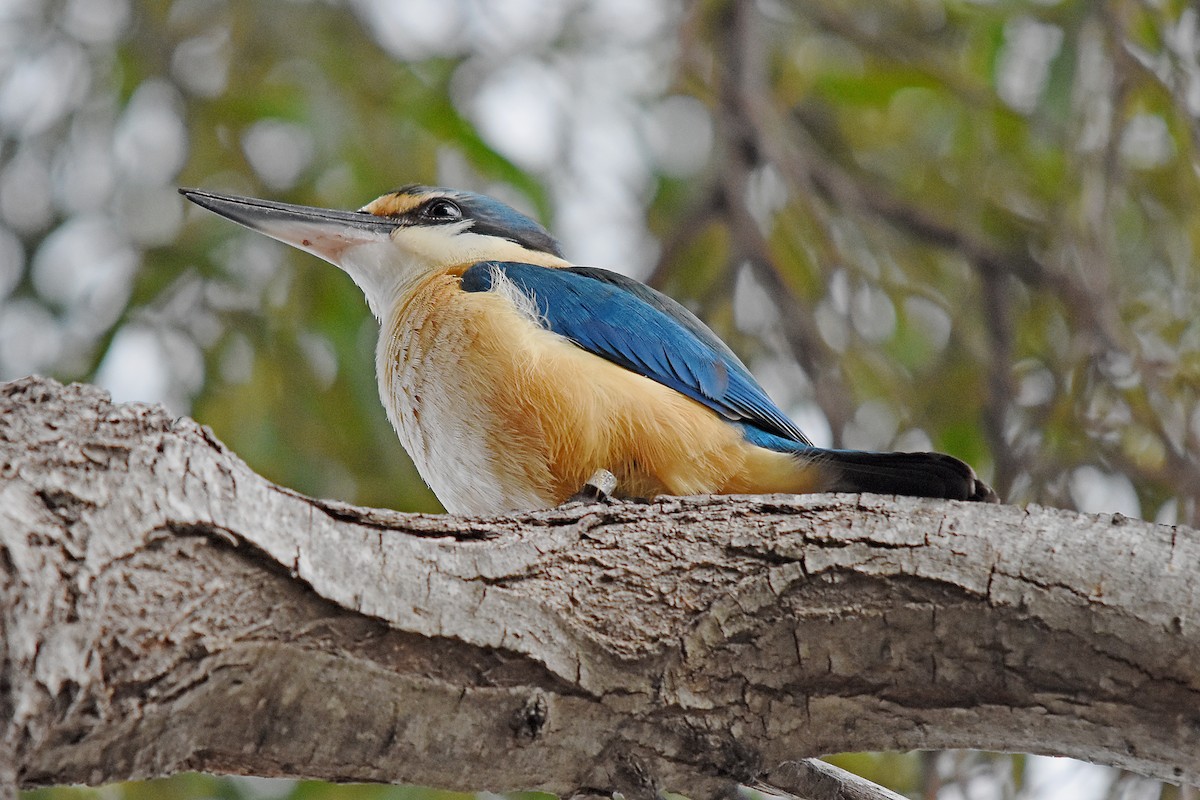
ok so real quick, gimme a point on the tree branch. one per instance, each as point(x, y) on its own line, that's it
point(164, 608)
point(816, 779)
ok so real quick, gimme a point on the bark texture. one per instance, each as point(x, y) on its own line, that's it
point(163, 608)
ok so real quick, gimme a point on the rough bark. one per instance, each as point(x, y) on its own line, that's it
point(163, 608)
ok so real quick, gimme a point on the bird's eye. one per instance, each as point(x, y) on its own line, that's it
point(442, 211)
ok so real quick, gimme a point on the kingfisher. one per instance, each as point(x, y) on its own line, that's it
point(512, 376)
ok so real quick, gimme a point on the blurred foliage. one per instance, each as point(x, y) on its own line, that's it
point(925, 223)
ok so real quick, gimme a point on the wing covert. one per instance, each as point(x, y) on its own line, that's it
point(642, 330)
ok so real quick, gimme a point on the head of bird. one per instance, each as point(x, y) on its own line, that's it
point(397, 238)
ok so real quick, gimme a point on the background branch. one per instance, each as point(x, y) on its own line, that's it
point(814, 778)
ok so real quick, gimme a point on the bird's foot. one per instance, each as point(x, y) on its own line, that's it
point(598, 489)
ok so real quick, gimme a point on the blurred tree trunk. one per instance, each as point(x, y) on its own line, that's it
point(164, 608)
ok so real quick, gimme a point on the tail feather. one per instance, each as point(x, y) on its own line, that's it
point(914, 474)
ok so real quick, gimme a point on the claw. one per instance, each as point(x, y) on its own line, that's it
point(598, 489)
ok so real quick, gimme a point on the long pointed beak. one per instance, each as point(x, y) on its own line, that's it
point(325, 233)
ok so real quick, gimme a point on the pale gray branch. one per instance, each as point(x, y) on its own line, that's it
point(164, 608)
point(812, 779)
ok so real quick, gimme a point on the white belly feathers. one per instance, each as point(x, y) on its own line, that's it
point(437, 402)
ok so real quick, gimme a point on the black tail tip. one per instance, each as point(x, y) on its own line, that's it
point(976, 490)
point(982, 493)
point(913, 474)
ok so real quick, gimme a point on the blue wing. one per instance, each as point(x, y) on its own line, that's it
point(644, 331)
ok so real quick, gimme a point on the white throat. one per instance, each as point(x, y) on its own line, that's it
point(382, 268)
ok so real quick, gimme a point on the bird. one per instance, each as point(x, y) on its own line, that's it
point(513, 376)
